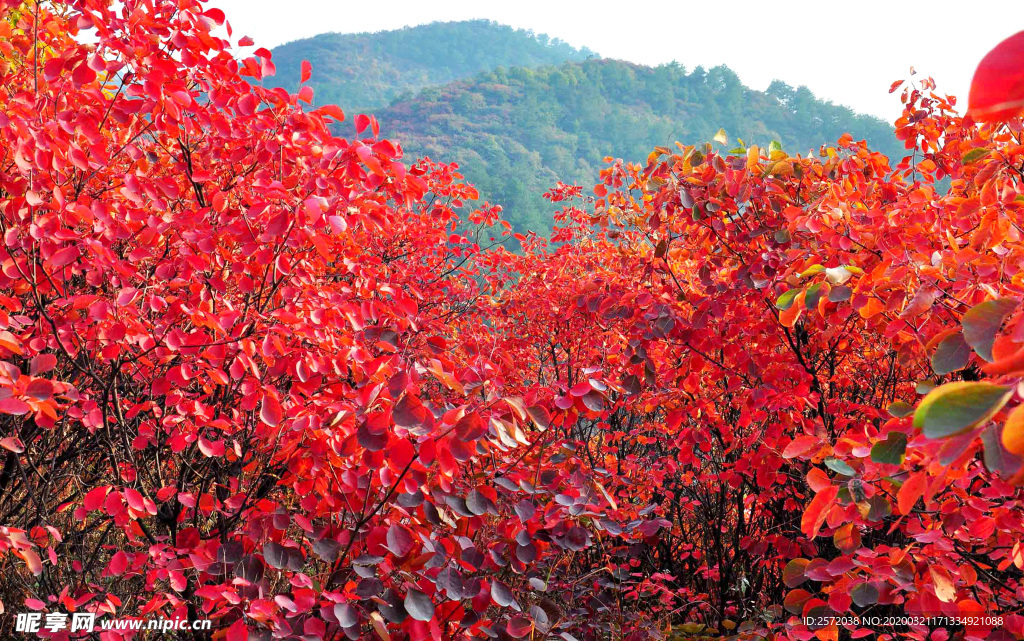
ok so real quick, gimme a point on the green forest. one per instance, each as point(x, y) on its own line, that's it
point(364, 72)
point(520, 111)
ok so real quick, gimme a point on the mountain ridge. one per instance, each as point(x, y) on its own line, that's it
point(520, 111)
point(364, 71)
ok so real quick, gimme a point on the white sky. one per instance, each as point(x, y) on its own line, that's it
point(846, 52)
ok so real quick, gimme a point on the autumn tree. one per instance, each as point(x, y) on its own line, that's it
point(255, 372)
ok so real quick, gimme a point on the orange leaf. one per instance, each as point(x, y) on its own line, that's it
point(789, 316)
point(870, 308)
point(1013, 431)
point(910, 492)
point(817, 510)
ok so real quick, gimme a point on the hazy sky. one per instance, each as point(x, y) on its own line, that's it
point(846, 52)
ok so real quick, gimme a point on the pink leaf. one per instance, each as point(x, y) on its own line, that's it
point(270, 411)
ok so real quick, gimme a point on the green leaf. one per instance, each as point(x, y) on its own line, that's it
point(878, 508)
point(952, 354)
point(982, 321)
point(793, 574)
point(782, 236)
point(974, 155)
point(786, 300)
point(813, 295)
point(899, 409)
point(891, 450)
point(839, 467)
point(923, 387)
point(774, 145)
point(954, 407)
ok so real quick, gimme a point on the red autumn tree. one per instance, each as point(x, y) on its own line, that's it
point(235, 383)
point(258, 373)
point(767, 325)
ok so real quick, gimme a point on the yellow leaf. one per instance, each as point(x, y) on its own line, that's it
point(722, 137)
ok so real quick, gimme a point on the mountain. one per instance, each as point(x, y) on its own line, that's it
point(363, 72)
point(520, 111)
point(516, 131)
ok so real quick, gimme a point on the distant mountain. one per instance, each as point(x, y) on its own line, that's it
point(363, 72)
point(515, 132)
point(520, 111)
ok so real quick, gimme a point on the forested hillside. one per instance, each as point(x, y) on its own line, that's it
point(365, 71)
point(515, 132)
point(520, 111)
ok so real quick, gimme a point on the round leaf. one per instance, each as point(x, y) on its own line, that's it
point(954, 407)
point(982, 321)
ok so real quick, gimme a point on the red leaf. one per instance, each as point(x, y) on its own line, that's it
point(118, 563)
point(16, 406)
point(83, 75)
point(215, 14)
point(997, 89)
point(362, 122)
point(912, 490)
point(238, 631)
point(409, 412)
point(35, 565)
point(817, 510)
point(307, 71)
point(470, 427)
point(270, 411)
point(42, 363)
point(800, 445)
point(40, 389)
point(12, 443)
point(400, 540)
point(216, 448)
point(247, 105)
point(65, 256)
point(94, 498)
point(333, 111)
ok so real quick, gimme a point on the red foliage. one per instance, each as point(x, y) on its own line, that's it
point(257, 373)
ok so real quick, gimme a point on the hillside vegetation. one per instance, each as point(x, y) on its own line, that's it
point(365, 71)
point(515, 132)
point(520, 112)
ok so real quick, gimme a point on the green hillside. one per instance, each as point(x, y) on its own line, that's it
point(363, 72)
point(516, 131)
point(520, 111)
